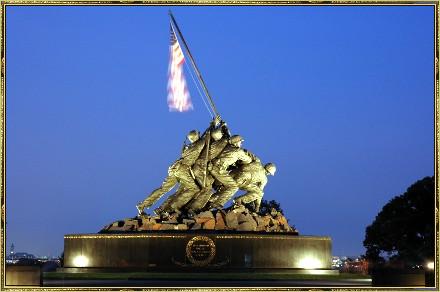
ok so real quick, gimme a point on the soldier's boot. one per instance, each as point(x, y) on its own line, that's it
point(237, 203)
point(214, 205)
point(191, 213)
point(162, 213)
point(140, 208)
point(251, 206)
point(164, 216)
point(158, 211)
point(213, 198)
point(257, 206)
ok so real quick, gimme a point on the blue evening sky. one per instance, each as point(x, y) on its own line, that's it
point(340, 98)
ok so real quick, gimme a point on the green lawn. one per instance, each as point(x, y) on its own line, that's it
point(199, 276)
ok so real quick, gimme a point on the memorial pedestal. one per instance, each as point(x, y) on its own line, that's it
point(188, 251)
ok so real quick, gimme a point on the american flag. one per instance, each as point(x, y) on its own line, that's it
point(178, 95)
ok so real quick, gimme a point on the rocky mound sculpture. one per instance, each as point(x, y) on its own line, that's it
point(211, 170)
point(233, 219)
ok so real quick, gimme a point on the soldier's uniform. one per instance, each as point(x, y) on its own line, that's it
point(200, 173)
point(179, 172)
point(251, 178)
point(190, 188)
point(229, 156)
point(200, 165)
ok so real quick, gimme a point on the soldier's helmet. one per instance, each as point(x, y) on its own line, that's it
point(236, 139)
point(193, 136)
point(270, 168)
point(217, 134)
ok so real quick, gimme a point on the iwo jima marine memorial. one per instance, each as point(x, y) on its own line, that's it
point(193, 229)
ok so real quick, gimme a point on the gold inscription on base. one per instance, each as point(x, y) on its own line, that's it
point(200, 250)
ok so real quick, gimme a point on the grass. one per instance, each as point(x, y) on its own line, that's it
point(197, 276)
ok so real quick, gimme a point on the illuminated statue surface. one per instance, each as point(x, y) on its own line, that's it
point(211, 169)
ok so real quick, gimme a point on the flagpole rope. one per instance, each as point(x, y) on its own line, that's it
point(198, 89)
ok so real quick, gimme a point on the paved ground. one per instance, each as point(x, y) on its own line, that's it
point(215, 283)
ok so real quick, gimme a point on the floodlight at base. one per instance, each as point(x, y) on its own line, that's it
point(80, 261)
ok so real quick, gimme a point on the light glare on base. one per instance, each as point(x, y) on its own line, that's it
point(80, 261)
point(430, 265)
point(310, 263)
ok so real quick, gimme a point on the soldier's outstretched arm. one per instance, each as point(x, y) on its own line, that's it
point(216, 121)
point(212, 125)
point(225, 129)
point(252, 155)
point(245, 156)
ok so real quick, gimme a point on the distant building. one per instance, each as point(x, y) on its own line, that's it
point(337, 263)
point(14, 257)
point(354, 265)
point(24, 257)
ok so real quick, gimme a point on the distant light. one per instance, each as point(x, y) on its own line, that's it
point(310, 263)
point(430, 265)
point(80, 261)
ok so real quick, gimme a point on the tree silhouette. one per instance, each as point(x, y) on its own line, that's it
point(403, 231)
point(61, 258)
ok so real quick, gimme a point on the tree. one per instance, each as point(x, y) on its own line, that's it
point(266, 206)
point(61, 259)
point(403, 231)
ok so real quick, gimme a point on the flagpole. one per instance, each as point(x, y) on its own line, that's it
point(205, 89)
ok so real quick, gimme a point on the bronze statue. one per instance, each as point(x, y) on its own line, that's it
point(213, 161)
point(252, 178)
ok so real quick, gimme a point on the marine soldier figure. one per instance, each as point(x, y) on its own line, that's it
point(230, 155)
point(203, 177)
point(218, 143)
point(252, 178)
point(179, 172)
point(198, 172)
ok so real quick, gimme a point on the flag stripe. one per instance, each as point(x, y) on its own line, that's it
point(178, 94)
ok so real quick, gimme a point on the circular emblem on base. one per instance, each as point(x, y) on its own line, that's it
point(200, 250)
